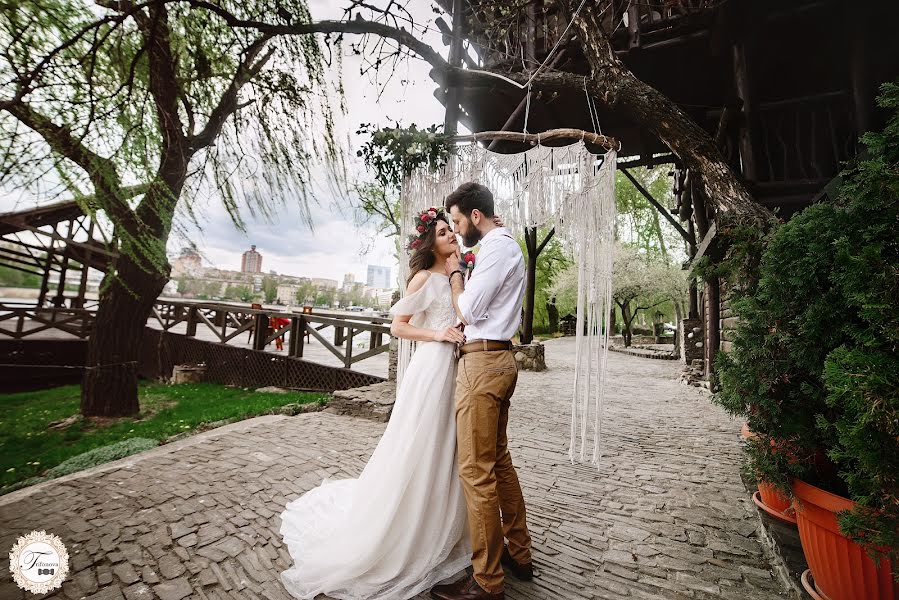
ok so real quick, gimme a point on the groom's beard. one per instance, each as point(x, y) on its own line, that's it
point(471, 240)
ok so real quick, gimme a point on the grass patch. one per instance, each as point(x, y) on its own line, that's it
point(33, 451)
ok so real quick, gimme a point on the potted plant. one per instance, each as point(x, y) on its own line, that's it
point(815, 371)
point(768, 497)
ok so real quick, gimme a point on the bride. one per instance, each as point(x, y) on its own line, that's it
point(401, 527)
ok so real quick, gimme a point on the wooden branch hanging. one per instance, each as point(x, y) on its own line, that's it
point(604, 141)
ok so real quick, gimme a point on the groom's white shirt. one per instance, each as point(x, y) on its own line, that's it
point(491, 302)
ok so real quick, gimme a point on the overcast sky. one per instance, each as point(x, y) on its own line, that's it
point(333, 248)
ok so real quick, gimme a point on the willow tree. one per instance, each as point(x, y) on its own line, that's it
point(161, 96)
point(143, 107)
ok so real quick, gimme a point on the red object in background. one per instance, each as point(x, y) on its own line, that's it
point(276, 323)
point(279, 322)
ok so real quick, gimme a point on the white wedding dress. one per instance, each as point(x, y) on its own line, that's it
point(401, 527)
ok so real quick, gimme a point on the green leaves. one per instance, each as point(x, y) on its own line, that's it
point(395, 152)
point(815, 360)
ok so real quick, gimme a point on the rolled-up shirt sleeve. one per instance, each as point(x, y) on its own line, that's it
point(486, 280)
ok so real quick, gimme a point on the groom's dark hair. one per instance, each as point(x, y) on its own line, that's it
point(470, 196)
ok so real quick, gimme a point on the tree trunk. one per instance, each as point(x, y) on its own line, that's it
point(613, 315)
point(678, 317)
point(109, 385)
point(627, 320)
point(619, 89)
point(552, 313)
point(527, 329)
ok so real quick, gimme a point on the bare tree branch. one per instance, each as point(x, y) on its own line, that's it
point(226, 106)
point(100, 170)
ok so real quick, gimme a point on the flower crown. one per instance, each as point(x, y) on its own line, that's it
point(423, 222)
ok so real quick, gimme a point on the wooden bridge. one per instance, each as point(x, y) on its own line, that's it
point(324, 350)
point(227, 321)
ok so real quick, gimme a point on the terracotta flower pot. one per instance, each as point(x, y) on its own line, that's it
point(774, 503)
point(768, 498)
point(841, 569)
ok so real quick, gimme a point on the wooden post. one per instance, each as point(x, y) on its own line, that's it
point(191, 322)
point(295, 345)
point(694, 293)
point(260, 332)
point(45, 280)
point(633, 25)
point(451, 118)
point(858, 73)
point(338, 335)
point(348, 360)
point(713, 330)
point(304, 325)
point(749, 129)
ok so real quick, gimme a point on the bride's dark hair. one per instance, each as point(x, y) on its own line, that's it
point(423, 256)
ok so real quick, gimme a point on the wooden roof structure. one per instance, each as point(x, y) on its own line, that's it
point(800, 78)
point(57, 239)
point(784, 90)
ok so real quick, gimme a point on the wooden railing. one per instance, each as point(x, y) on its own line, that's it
point(528, 35)
point(224, 321)
point(227, 321)
point(18, 320)
point(806, 138)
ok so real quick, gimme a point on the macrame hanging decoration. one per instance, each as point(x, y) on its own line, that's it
point(568, 188)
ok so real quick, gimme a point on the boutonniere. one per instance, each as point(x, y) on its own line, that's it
point(466, 265)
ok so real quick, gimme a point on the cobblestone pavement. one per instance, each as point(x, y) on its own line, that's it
point(665, 516)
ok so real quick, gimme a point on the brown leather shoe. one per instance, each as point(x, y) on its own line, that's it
point(522, 572)
point(465, 589)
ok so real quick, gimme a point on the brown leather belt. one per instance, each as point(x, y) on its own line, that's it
point(484, 346)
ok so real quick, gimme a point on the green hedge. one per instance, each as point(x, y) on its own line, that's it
point(814, 367)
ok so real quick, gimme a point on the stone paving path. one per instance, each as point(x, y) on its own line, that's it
point(666, 515)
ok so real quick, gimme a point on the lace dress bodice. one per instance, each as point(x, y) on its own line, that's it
point(440, 313)
point(431, 306)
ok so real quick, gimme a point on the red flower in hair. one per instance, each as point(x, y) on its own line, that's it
point(425, 217)
point(421, 228)
point(415, 244)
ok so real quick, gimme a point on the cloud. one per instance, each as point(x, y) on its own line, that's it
point(288, 246)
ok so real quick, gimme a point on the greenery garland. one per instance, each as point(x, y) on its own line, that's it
point(393, 153)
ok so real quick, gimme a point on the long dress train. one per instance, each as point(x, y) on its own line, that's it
point(401, 526)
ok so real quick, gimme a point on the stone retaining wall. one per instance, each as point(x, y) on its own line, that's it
point(530, 357)
point(373, 402)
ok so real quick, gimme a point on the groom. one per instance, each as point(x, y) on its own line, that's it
point(489, 304)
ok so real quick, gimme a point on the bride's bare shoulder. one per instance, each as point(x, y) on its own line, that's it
point(418, 281)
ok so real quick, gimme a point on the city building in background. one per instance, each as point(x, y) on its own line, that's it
point(324, 283)
point(384, 297)
point(188, 264)
point(251, 261)
point(287, 294)
point(379, 277)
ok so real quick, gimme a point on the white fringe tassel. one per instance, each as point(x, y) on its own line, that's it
point(574, 191)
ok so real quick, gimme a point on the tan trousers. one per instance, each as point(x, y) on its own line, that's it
point(484, 387)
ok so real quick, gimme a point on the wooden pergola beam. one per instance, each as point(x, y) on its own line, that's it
point(703, 246)
point(664, 212)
